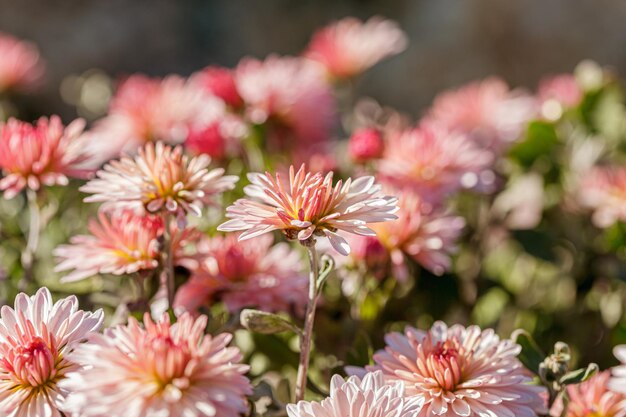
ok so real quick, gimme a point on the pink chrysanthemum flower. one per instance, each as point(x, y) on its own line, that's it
point(460, 372)
point(159, 178)
point(250, 273)
point(488, 111)
point(435, 163)
point(121, 242)
point(21, 66)
point(220, 82)
point(366, 145)
point(355, 397)
point(290, 97)
point(46, 153)
point(36, 338)
point(558, 93)
point(349, 47)
point(592, 398)
point(164, 369)
point(309, 205)
point(604, 191)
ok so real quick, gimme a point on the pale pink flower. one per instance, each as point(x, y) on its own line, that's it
point(36, 339)
point(355, 397)
point(159, 178)
point(46, 153)
point(592, 398)
point(366, 145)
point(618, 381)
point(290, 97)
point(164, 369)
point(349, 46)
point(220, 82)
point(435, 162)
point(21, 67)
point(250, 273)
point(488, 111)
point(603, 190)
point(558, 93)
point(308, 205)
point(460, 372)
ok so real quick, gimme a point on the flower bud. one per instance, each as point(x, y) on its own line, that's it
point(365, 145)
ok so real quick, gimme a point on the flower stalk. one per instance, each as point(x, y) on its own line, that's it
point(167, 257)
point(32, 242)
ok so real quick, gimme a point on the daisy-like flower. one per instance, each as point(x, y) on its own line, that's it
point(309, 205)
point(355, 397)
point(21, 66)
point(290, 97)
point(159, 178)
point(592, 398)
point(163, 369)
point(349, 47)
point(46, 153)
point(121, 242)
point(460, 372)
point(603, 190)
point(250, 273)
point(435, 163)
point(488, 111)
point(36, 338)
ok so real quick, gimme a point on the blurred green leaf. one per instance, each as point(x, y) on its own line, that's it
point(266, 323)
point(531, 355)
point(541, 138)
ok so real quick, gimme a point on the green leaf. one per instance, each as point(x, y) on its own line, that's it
point(266, 323)
point(531, 355)
point(579, 375)
point(540, 140)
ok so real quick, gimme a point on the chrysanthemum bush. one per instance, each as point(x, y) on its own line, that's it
point(253, 241)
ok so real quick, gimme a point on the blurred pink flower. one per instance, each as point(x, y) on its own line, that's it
point(21, 67)
point(349, 46)
point(558, 93)
point(365, 145)
point(220, 82)
point(121, 242)
point(290, 97)
point(487, 111)
point(159, 178)
point(435, 163)
point(164, 369)
point(592, 398)
point(250, 273)
point(460, 371)
point(355, 397)
point(36, 338)
point(308, 205)
point(46, 153)
point(603, 190)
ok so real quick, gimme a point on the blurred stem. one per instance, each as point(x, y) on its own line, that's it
point(168, 260)
point(34, 227)
point(307, 335)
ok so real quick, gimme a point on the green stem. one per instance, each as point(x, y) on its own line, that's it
point(168, 261)
point(34, 228)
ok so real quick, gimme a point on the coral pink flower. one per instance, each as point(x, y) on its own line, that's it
point(159, 178)
point(220, 82)
point(460, 372)
point(355, 397)
point(349, 47)
point(308, 205)
point(604, 191)
point(36, 338)
point(45, 153)
point(558, 93)
point(365, 145)
point(290, 97)
point(21, 66)
point(435, 163)
point(164, 369)
point(488, 111)
point(251, 273)
point(592, 398)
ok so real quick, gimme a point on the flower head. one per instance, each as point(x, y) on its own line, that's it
point(220, 82)
point(592, 398)
point(21, 66)
point(355, 397)
point(349, 47)
point(460, 372)
point(159, 178)
point(290, 97)
point(487, 111)
point(604, 191)
point(309, 205)
point(365, 145)
point(36, 338)
point(250, 273)
point(164, 369)
point(44, 153)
